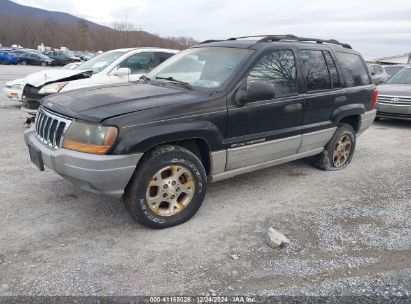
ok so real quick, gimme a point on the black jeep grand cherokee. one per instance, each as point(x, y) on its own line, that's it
point(211, 112)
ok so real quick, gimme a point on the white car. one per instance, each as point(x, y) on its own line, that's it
point(110, 67)
point(14, 89)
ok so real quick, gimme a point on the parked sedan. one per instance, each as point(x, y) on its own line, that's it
point(14, 89)
point(394, 98)
point(36, 59)
point(62, 58)
point(8, 57)
point(115, 66)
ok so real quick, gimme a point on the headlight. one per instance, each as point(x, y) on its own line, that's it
point(89, 138)
point(52, 88)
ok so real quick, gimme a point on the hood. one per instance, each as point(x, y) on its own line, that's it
point(395, 90)
point(19, 81)
point(41, 78)
point(96, 104)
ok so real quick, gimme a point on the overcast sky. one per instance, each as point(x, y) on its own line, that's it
point(375, 28)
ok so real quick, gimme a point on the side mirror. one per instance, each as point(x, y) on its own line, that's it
point(257, 91)
point(372, 73)
point(122, 72)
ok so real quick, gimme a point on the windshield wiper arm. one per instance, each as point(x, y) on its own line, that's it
point(172, 79)
point(144, 77)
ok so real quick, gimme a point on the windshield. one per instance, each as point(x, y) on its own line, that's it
point(208, 67)
point(391, 70)
point(100, 62)
point(402, 77)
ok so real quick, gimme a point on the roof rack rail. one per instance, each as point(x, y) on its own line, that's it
point(303, 39)
point(209, 41)
point(273, 38)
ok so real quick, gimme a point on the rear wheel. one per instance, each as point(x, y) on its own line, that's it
point(339, 151)
point(43, 63)
point(167, 189)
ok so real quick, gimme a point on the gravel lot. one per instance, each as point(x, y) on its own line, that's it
point(350, 231)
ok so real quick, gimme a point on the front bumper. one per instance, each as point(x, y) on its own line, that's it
point(12, 93)
point(397, 111)
point(366, 121)
point(104, 174)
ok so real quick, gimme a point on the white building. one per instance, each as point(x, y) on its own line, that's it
point(400, 59)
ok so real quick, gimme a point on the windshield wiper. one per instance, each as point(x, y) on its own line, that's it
point(172, 79)
point(144, 77)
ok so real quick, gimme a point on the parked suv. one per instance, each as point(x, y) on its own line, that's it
point(214, 111)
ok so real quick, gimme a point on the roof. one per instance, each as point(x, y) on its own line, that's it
point(126, 50)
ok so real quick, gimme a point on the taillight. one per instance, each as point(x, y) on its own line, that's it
point(374, 99)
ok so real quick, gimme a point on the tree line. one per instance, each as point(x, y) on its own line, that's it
point(31, 32)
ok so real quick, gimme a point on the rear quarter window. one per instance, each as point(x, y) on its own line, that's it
point(353, 69)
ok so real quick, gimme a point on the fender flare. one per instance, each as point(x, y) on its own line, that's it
point(146, 137)
point(347, 110)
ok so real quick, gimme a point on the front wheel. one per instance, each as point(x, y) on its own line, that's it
point(339, 151)
point(167, 188)
point(44, 63)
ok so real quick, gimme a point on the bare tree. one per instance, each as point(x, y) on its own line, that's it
point(31, 32)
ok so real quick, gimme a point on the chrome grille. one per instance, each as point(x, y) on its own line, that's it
point(393, 100)
point(50, 128)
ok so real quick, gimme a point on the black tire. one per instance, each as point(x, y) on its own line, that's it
point(23, 62)
point(135, 198)
point(324, 160)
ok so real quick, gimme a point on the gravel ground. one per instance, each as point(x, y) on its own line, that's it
point(349, 230)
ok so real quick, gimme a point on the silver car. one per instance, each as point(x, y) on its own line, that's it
point(393, 69)
point(378, 74)
point(394, 100)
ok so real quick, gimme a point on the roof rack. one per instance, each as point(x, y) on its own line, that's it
point(274, 38)
point(209, 41)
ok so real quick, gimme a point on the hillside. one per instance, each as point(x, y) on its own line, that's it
point(9, 8)
point(29, 26)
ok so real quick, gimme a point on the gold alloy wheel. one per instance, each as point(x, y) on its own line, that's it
point(342, 151)
point(170, 190)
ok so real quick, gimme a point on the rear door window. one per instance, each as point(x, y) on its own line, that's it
point(332, 69)
point(315, 70)
point(353, 69)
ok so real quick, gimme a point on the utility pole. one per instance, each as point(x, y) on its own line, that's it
point(126, 30)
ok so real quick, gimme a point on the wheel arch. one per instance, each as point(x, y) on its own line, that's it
point(350, 114)
point(196, 145)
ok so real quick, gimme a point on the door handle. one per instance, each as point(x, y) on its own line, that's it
point(293, 107)
point(340, 99)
